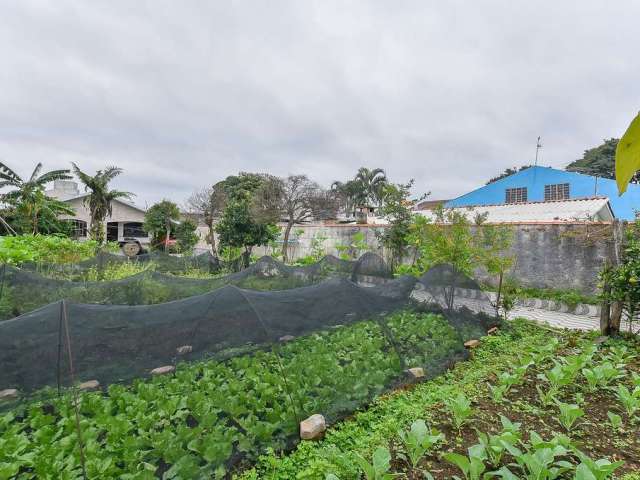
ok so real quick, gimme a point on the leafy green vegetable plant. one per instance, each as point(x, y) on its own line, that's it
point(379, 467)
point(630, 399)
point(460, 408)
point(615, 420)
point(419, 440)
point(569, 414)
point(472, 466)
point(589, 469)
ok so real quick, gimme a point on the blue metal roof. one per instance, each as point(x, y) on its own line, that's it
point(535, 179)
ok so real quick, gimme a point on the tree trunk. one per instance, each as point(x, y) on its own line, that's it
point(246, 257)
point(605, 311)
point(212, 240)
point(166, 239)
point(616, 317)
point(285, 242)
point(499, 295)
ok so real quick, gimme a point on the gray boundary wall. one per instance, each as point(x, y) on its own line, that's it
point(548, 255)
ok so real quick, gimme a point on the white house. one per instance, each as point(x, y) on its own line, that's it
point(125, 220)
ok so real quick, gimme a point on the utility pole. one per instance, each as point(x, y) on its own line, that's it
point(538, 147)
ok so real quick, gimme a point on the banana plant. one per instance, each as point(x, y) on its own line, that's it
point(418, 441)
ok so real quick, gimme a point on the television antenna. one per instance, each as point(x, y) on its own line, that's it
point(538, 147)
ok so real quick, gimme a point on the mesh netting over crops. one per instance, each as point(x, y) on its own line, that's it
point(249, 364)
point(162, 262)
point(22, 291)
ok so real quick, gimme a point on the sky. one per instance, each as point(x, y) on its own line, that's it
point(182, 94)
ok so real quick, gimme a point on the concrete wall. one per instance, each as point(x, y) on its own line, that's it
point(555, 255)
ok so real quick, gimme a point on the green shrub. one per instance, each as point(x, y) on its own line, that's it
point(46, 248)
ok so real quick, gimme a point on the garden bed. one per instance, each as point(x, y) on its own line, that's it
point(211, 416)
point(375, 435)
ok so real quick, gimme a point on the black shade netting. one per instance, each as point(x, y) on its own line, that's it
point(162, 262)
point(258, 362)
point(22, 291)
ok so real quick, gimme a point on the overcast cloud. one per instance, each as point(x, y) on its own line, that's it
point(183, 93)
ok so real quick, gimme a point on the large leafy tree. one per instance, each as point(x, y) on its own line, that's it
point(238, 227)
point(160, 220)
point(296, 199)
point(27, 207)
point(99, 201)
point(599, 161)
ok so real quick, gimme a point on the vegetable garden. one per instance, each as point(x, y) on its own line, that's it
point(109, 379)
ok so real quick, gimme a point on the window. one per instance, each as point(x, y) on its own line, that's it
point(133, 229)
point(516, 195)
point(78, 228)
point(559, 191)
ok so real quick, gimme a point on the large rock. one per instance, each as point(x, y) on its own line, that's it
point(416, 372)
point(163, 370)
point(89, 385)
point(8, 394)
point(313, 427)
point(286, 338)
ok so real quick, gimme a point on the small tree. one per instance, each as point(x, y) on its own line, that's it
point(397, 210)
point(159, 222)
point(209, 203)
point(493, 243)
point(623, 280)
point(238, 227)
point(186, 236)
point(296, 199)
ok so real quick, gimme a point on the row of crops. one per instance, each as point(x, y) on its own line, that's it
point(209, 416)
point(159, 280)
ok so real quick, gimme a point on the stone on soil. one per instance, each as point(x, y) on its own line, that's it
point(416, 372)
point(89, 385)
point(313, 427)
point(8, 394)
point(163, 370)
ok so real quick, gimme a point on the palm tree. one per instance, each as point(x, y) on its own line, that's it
point(28, 198)
point(100, 198)
point(351, 193)
point(372, 183)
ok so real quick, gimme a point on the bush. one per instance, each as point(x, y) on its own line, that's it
point(45, 248)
